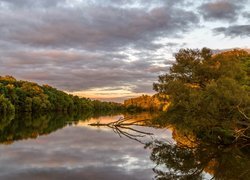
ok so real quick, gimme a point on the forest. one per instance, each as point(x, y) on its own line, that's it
point(24, 96)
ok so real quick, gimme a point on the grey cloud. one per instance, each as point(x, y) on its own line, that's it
point(31, 3)
point(221, 10)
point(94, 27)
point(247, 15)
point(74, 71)
point(234, 31)
point(105, 173)
point(82, 46)
point(114, 3)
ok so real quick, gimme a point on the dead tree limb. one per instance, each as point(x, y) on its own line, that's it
point(123, 125)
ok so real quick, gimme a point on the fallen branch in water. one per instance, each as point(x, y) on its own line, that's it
point(121, 126)
point(120, 122)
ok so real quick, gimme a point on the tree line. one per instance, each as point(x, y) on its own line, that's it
point(24, 96)
point(146, 103)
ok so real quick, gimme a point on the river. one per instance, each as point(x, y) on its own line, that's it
point(67, 147)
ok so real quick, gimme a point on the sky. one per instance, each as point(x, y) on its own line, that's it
point(112, 49)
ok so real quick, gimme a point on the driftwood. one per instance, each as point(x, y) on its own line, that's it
point(123, 125)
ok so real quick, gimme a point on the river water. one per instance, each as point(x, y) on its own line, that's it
point(61, 147)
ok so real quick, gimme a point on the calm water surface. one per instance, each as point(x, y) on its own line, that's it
point(62, 147)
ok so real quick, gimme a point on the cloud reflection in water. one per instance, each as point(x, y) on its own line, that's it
point(77, 152)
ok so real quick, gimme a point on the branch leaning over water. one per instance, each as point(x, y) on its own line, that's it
point(122, 126)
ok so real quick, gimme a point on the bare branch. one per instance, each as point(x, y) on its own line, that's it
point(121, 125)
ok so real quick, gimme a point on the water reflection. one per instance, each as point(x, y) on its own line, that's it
point(180, 162)
point(72, 152)
point(24, 126)
point(189, 158)
point(85, 152)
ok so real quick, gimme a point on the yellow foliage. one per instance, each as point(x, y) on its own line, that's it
point(184, 140)
point(147, 102)
point(211, 167)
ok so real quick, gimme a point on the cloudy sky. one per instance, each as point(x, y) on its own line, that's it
point(112, 49)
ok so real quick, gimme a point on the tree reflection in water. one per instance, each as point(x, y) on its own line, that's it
point(21, 126)
point(187, 159)
point(180, 162)
point(183, 160)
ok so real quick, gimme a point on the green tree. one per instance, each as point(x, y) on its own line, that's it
point(209, 94)
point(5, 105)
point(30, 97)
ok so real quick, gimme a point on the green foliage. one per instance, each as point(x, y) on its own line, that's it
point(5, 105)
point(107, 106)
point(209, 95)
point(26, 96)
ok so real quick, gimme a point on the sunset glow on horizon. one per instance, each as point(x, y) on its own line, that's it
point(108, 94)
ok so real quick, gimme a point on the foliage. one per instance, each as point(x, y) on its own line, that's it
point(145, 103)
point(107, 106)
point(5, 105)
point(209, 94)
point(26, 96)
